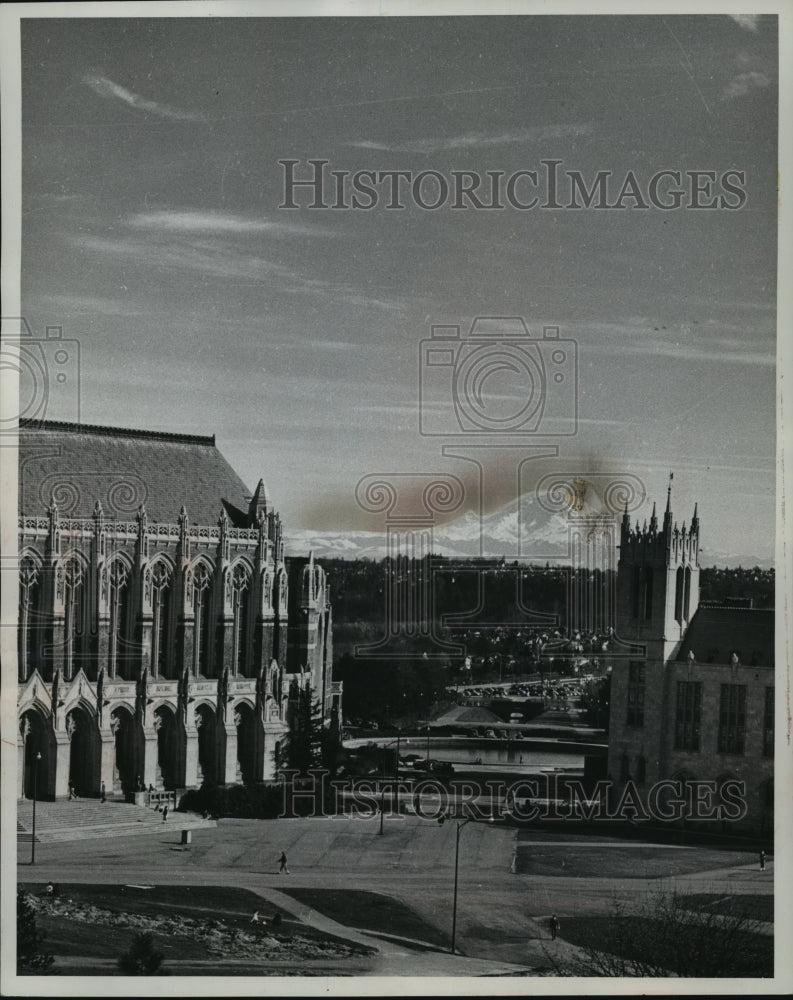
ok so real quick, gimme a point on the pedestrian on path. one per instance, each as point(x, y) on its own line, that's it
point(762, 861)
point(165, 812)
point(283, 863)
point(255, 917)
point(102, 794)
point(554, 925)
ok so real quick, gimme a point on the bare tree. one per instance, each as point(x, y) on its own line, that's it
point(671, 934)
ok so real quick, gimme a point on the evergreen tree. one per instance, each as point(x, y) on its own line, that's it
point(31, 957)
point(310, 743)
point(142, 959)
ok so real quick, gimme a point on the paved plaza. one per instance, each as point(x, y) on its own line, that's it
point(503, 909)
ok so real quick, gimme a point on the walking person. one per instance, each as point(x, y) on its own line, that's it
point(255, 917)
point(762, 861)
point(102, 794)
point(165, 812)
point(284, 865)
point(554, 925)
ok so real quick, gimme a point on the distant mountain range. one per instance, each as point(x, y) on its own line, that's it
point(522, 529)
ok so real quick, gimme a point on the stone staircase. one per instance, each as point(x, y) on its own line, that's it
point(84, 819)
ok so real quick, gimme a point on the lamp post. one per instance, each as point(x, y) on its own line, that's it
point(382, 789)
point(460, 825)
point(36, 760)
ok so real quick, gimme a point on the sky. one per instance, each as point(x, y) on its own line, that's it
point(152, 233)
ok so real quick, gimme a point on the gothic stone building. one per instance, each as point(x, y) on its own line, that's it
point(164, 640)
point(696, 701)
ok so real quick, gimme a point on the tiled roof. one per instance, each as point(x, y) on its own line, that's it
point(716, 632)
point(122, 468)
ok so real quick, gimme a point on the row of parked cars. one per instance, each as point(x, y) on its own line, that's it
point(553, 690)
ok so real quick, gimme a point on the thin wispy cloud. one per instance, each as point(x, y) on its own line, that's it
point(216, 259)
point(95, 305)
point(205, 259)
point(744, 83)
point(474, 140)
point(110, 90)
point(333, 345)
point(168, 221)
point(683, 352)
point(747, 21)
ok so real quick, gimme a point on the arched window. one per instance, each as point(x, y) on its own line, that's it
point(687, 594)
point(275, 685)
point(29, 602)
point(679, 594)
point(202, 610)
point(75, 630)
point(648, 593)
point(241, 598)
point(161, 606)
point(119, 615)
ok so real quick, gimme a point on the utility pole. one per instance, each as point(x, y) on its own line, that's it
point(36, 760)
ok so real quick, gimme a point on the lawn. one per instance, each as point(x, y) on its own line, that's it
point(592, 859)
point(747, 905)
point(370, 911)
point(650, 941)
point(202, 924)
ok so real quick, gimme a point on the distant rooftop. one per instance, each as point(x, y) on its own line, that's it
point(718, 631)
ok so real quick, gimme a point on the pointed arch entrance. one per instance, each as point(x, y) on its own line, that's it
point(84, 751)
point(206, 724)
point(122, 725)
point(38, 772)
point(167, 747)
point(245, 721)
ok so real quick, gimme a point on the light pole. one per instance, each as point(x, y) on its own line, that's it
point(460, 825)
point(382, 789)
point(36, 760)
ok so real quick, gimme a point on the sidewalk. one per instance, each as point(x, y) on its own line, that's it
point(85, 819)
point(396, 959)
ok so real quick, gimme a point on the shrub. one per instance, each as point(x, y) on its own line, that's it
point(142, 959)
point(31, 957)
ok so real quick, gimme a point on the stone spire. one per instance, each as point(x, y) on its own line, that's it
point(260, 503)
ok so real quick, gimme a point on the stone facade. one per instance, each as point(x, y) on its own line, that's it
point(155, 648)
point(694, 701)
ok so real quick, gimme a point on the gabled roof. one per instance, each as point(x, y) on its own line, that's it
point(716, 632)
point(122, 468)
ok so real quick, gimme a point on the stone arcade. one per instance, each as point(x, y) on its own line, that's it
point(158, 641)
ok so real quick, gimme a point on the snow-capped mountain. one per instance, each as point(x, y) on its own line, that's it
point(522, 529)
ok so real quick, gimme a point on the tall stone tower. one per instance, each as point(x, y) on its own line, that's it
point(310, 629)
point(657, 582)
point(657, 596)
